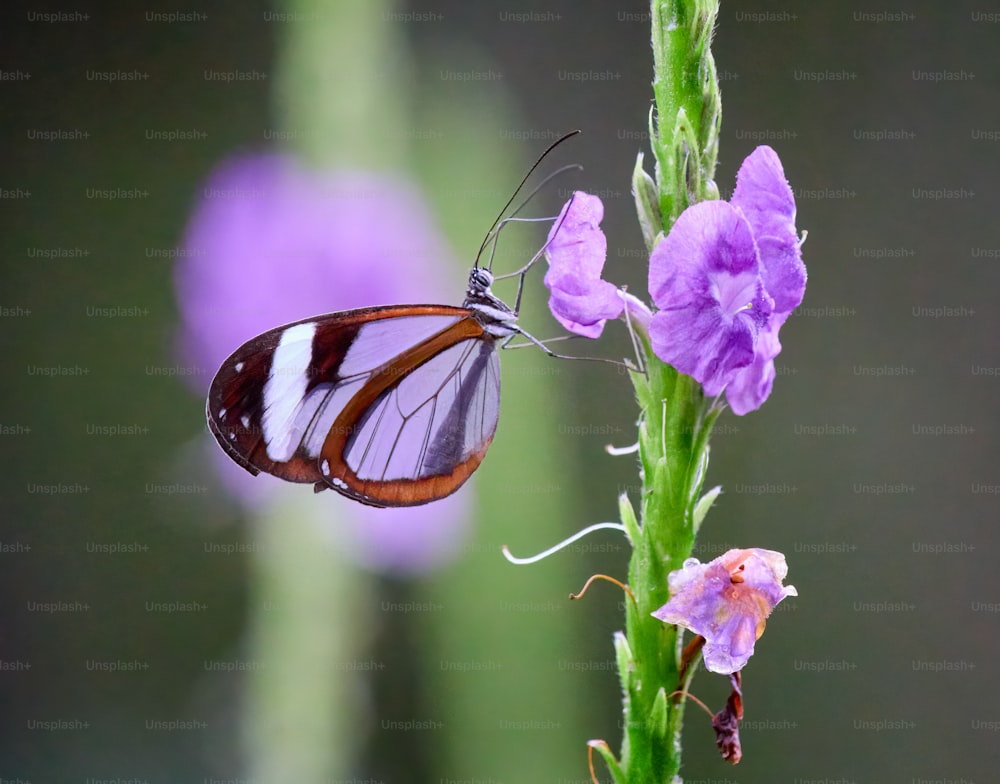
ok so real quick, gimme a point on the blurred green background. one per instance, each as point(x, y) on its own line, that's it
point(874, 466)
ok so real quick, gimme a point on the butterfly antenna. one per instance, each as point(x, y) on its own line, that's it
point(517, 190)
point(494, 234)
point(534, 192)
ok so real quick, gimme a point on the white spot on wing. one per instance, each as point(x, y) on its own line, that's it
point(325, 468)
point(284, 390)
point(238, 367)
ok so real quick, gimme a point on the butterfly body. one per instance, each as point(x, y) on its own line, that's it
point(389, 406)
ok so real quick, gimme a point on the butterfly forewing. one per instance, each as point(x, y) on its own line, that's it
point(390, 406)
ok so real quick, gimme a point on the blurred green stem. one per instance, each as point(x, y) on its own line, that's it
point(341, 85)
point(308, 629)
point(339, 97)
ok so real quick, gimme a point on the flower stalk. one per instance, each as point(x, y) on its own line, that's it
point(724, 276)
point(676, 419)
point(673, 445)
point(688, 106)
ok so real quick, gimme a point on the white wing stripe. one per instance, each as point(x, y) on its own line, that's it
point(284, 390)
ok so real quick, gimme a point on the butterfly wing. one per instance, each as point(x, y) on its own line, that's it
point(390, 406)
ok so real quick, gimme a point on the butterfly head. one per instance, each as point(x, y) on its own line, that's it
point(488, 308)
point(480, 280)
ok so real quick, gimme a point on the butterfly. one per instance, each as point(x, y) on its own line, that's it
point(389, 406)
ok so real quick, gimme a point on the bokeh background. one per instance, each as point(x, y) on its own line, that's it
point(138, 596)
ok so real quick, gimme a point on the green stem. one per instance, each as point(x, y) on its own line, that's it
point(308, 623)
point(676, 420)
point(688, 106)
point(673, 442)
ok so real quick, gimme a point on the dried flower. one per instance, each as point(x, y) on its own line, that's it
point(726, 723)
point(727, 601)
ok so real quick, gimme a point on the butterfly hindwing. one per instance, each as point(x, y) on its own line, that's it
point(423, 436)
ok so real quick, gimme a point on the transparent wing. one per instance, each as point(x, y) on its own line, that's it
point(438, 417)
point(390, 406)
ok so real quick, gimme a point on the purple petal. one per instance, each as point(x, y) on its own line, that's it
point(576, 250)
point(705, 278)
point(751, 386)
point(637, 311)
point(731, 650)
point(766, 199)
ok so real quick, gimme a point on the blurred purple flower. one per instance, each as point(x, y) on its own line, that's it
point(271, 242)
point(727, 601)
point(725, 279)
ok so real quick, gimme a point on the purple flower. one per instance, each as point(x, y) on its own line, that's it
point(576, 249)
point(725, 279)
point(705, 279)
point(269, 243)
point(727, 601)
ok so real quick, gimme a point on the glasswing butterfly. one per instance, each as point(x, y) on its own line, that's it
point(389, 406)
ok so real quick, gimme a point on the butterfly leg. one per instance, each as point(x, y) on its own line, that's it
point(542, 345)
point(496, 237)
